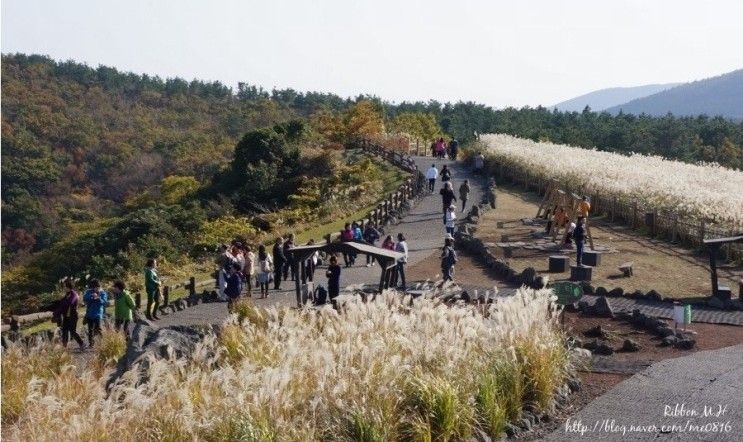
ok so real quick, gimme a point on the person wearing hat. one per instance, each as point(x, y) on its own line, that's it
point(448, 258)
point(449, 219)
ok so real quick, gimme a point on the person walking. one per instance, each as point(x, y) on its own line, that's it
point(479, 163)
point(265, 267)
point(234, 285)
point(152, 287)
point(445, 174)
point(224, 260)
point(448, 259)
point(450, 219)
point(431, 174)
point(248, 269)
point(371, 236)
point(289, 260)
point(402, 247)
point(66, 316)
point(447, 196)
point(96, 300)
point(579, 236)
point(334, 279)
point(388, 243)
point(123, 307)
point(441, 149)
point(464, 193)
point(433, 149)
point(347, 235)
point(278, 262)
point(453, 149)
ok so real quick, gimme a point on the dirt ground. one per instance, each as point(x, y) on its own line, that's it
point(672, 271)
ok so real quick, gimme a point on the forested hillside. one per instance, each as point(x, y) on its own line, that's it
point(102, 168)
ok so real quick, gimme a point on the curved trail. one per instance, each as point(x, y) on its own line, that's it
point(422, 227)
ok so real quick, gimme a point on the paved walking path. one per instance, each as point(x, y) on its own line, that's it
point(423, 229)
point(665, 310)
point(671, 393)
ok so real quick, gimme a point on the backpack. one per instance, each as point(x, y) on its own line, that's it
point(445, 175)
point(321, 295)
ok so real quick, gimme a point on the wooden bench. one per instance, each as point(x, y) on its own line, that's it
point(626, 268)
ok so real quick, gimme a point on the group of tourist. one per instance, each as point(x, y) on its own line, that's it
point(440, 149)
point(96, 301)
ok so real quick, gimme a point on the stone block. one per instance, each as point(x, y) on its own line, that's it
point(582, 273)
point(592, 258)
point(559, 263)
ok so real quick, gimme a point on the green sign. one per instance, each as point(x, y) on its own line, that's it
point(567, 292)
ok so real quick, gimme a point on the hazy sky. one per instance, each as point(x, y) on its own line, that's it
point(496, 52)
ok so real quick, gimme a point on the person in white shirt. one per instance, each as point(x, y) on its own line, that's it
point(249, 269)
point(431, 175)
point(401, 247)
point(449, 219)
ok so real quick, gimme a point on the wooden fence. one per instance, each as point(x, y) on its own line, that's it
point(389, 203)
point(666, 225)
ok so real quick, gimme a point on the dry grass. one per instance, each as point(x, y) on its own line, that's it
point(391, 369)
point(671, 270)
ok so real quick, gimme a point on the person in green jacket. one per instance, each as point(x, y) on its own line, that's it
point(152, 286)
point(123, 307)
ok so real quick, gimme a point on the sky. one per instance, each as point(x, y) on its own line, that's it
point(501, 53)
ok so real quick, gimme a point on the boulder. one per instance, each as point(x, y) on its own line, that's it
point(575, 384)
point(630, 346)
point(528, 276)
point(669, 340)
point(665, 331)
point(587, 287)
point(602, 308)
point(624, 316)
point(604, 349)
point(601, 291)
point(637, 294)
point(616, 292)
point(475, 211)
point(596, 332)
point(652, 295)
point(686, 343)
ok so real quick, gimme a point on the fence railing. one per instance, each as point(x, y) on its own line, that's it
point(666, 225)
point(389, 203)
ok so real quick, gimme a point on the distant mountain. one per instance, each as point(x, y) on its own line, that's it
point(722, 95)
point(606, 98)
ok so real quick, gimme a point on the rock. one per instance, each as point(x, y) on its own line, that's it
point(540, 282)
point(575, 384)
point(652, 295)
point(511, 430)
point(734, 304)
point(475, 211)
point(583, 306)
point(581, 353)
point(587, 287)
point(602, 308)
point(600, 291)
point(528, 276)
point(616, 292)
point(630, 346)
point(624, 316)
point(473, 219)
point(596, 332)
point(686, 343)
point(716, 302)
point(525, 424)
point(664, 331)
point(591, 345)
point(637, 294)
point(604, 349)
point(574, 342)
point(531, 417)
point(669, 340)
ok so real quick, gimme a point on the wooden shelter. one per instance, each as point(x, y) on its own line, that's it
point(558, 197)
point(714, 248)
point(386, 259)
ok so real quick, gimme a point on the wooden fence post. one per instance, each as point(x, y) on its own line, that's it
point(192, 287)
point(166, 296)
point(138, 300)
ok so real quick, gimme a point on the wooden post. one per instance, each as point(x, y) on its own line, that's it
point(701, 232)
point(138, 300)
point(166, 296)
point(634, 214)
point(191, 287)
point(297, 286)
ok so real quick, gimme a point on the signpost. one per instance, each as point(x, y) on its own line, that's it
point(567, 293)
